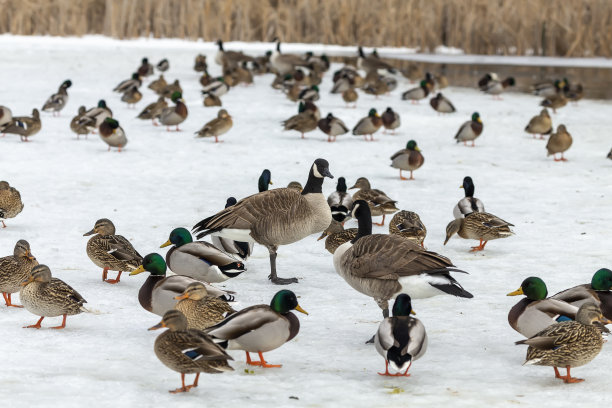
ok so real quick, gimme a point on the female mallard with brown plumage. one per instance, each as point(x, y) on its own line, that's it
point(568, 344)
point(305, 121)
point(132, 96)
point(77, 128)
point(158, 85)
point(201, 309)
point(188, 351)
point(153, 110)
point(408, 159)
point(481, 226)
point(559, 142)
point(335, 235)
point(14, 269)
point(540, 124)
point(111, 252)
point(10, 202)
point(174, 115)
point(555, 101)
point(218, 126)
point(379, 202)
point(598, 292)
point(45, 296)
point(368, 125)
point(24, 126)
point(408, 224)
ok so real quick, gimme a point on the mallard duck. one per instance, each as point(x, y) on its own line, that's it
point(368, 125)
point(199, 260)
point(170, 89)
point(111, 252)
point(10, 202)
point(609, 156)
point(285, 63)
point(201, 309)
point(24, 126)
point(440, 81)
point(486, 79)
point(382, 266)
point(469, 203)
point(335, 235)
point(158, 85)
point(372, 63)
point(350, 96)
point(57, 101)
point(555, 102)
point(568, 344)
point(416, 94)
point(145, 69)
point(74, 123)
point(94, 117)
point(390, 120)
point(188, 351)
point(536, 312)
point(260, 328)
point(163, 65)
point(212, 100)
point(45, 296)
point(153, 110)
point(479, 225)
point(218, 126)
point(470, 130)
point(6, 117)
point(242, 250)
point(293, 92)
point(305, 121)
point(309, 94)
point(340, 202)
point(547, 88)
point(442, 105)
point(243, 75)
point(343, 83)
point(14, 269)
point(230, 59)
point(375, 84)
point(496, 87)
point(112, 134)
point(133, 81)
point(408, 224)
point(575, 93)
point(132, 96)
point(319, 64)
point(400, 339)
point(379, 202)
point(559, 142)
point(264, 181)
point(276, 217)
point(261, 63)
point(158, 292)
point(295, 185)
point(200, 64)
point(332, 127)
point(174, 115)
point(598, 292)
point(540, 124)
point(217, 87)
point(408, 159)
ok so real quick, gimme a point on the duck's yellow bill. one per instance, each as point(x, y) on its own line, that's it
point(183, 296)
point(299, 309)
point(165, 244)
point(157, 326)
point(323, 235)
point(138, 270)
point(27, 281)
point(412, 312)
point(517, 292)
point(270, 182)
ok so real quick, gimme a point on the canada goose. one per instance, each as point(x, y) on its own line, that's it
point(371, 63)
point(230, 59)
point(236, 248)
point(275, 217)
point(382, 266)
point(58, 100)
point(340, 202)
point(469, 203)
point(559, 142)
point(285, 63)
point(264, 181)
point(441, 104)
point(540, 124)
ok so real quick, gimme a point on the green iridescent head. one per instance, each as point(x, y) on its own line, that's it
point(178, 237)
point(176, 95)
point(372, 112)
point(412, 145)
point(114, 124)
point(602, 280)
point(153, 263)
point(402, 305)
point(285, 301)
point(533, 287)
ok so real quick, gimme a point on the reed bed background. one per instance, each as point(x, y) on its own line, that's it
point(542, 27)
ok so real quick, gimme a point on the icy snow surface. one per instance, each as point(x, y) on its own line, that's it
point(164, 180)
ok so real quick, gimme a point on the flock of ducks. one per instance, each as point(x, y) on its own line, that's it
point(564, 330)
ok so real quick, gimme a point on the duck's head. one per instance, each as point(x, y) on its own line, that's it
point(341, 186)
point(439, 95)
point(194, 291)
point(402, 305)
point(423, 84)
point(468, 186)
point(590, 313)
point(35, 113)
point(178, 237)
point(360, 51)
point(22, 250)
point(230, 201)
point(389, 110)
point(412, 145)
point(67, 84)
point(561, 129)
point(452, 228)
point(39, 273)
point(153, 263)
point(176, 96)
point(602, 280)
point(372, 113)
point(264, 180)
point(135, 76)
point(320, 169)
point(296, 185)
point(361, 183)
point(285, 301)
point(220, 44)
point(101, 103)
point(510, 81)
point(533, 287)
point(223, 114)
point(476, 117)
point(334, 227)
point(103, 226)
point(315, 88)
point(173, 319)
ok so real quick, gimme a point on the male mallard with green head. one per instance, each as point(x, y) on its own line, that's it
point(408, 159)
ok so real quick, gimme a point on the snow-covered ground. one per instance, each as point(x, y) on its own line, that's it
point(163, 180)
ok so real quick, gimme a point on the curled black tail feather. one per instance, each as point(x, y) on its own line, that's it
point(395, 354)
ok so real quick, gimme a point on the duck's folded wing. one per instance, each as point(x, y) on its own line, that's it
point(198, 346)
point(207, 252)
point(243, 322)
point(119, 247)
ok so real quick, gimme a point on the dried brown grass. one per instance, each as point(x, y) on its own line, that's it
point(561, 27)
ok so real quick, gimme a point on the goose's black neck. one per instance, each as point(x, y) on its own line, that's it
point(364, 220)
point(314, 184)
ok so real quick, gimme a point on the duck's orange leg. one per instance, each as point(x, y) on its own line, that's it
point(480, 247)
point(7, 300)
point(35, 326)
point(181, 389)
point(262, 362)
point(116, 280)
point(568, 379)
point(402, 177)
point(195, 382)
point(63, 324)
point(382, 222)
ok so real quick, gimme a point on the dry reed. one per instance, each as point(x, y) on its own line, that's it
point(564, 28)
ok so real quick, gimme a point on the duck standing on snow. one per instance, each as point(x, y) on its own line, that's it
point(305, 121)
point(5, 117)
point(276, 217)
point(188, 351)
point(408, 224)
point(568, 344)
point(10, 202)
point(24, 126)
point(218, 126)
point(158, 85)
point(133, 81)
point(264, 181)
point(163, 65)
point(469, 203)
point(555, 102)
point(400, 339)
point(332, 127)
point(408, 159)
point(132, 96)
point(174, 115)
point(112, 134)
point(416, 94)
point(153, 110)
point(57, 101)
point(441, 104)
point(368, 125)
point(260, 328)
point(390, 120)
point(340, 202)
point(470, 130)
point(94, 117)
point(45, 296)
point(15, 269)
point(379, 202)
point(111, 252)
point(484, 82)
point(495, 88)
point(559, 142)
point(200, 260)
point(74, 123)
point(540, 124)
point(145, 68)
point(479, 225)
